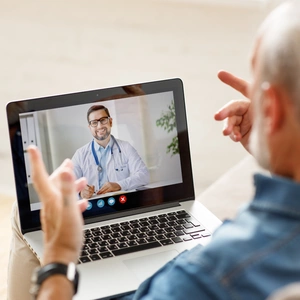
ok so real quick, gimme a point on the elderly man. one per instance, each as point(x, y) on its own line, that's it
point(258, 252)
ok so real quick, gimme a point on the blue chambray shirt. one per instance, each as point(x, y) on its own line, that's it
point(247, 258)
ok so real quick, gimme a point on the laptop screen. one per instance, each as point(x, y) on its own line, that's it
point(134, 156)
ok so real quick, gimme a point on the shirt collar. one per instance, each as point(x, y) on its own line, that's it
point(277, 194)
point(100, 148)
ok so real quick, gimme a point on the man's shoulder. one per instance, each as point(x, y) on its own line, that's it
point(83, 149)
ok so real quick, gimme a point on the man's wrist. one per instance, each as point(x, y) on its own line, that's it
point(61, 255)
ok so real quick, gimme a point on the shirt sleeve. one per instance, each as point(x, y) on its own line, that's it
point(182, 278)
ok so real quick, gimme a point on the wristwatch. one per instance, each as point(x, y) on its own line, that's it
point(42, 273)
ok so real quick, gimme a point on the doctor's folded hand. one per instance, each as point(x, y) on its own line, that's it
point(87, 192)
point(109, 187)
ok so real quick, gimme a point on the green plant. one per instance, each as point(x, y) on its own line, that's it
point(168, 122)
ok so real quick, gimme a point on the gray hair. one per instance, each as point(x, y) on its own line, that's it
point(279, 51)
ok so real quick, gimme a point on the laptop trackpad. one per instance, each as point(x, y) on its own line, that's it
point(145, 266)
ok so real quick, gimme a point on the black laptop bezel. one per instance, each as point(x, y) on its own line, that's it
point(172, 194)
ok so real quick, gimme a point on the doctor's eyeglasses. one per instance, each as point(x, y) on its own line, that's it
point(103, 121)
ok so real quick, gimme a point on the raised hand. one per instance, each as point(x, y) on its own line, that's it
point(61, 216)
point(237, 114)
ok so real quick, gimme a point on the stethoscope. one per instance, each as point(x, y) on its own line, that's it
point(99, 168)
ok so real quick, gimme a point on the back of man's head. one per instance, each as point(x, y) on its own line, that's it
point(279, 50)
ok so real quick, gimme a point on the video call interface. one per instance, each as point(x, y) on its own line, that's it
point(144, 126)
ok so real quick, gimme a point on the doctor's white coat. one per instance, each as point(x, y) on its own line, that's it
point(125, 168)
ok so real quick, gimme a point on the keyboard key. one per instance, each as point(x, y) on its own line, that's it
point(166, 242)
point(193, 221)
point(141, 235)
point(95, 229)
point(124, 223)
point(134, 231)
point(96, 239)
point(194, 230)
point(196, 236)
point(183, 216)
point(125, 227)
point(113, 241)
point(133, 221)
point(171, 213)
point(115, 225)
point(132, 243)
point(153, 222)
point(162, 216)
point(106, 237)
point(122, 239)
point(104, 227)
point(160, 237)
point(151, 233)
point(170, 235)
point(177, 239)
point(162, 220)
point(107, 231)
point(103, 243)
point(141, 241)
point(151, 239)
point(179, 233)
point(115, 235)
point(135, 225)
point(132, 237)
point(160, 231)
point(144, 219)
point(136, 248)
point(103, 249)
point(95, 257)
point(84, 253)
point(187, 238)
point(122, 245)
point(188, 225)
point(92, 251)
point(144, 224)
point(112, 247)
point(106, 255)
point(84, 259)
point(205, 233)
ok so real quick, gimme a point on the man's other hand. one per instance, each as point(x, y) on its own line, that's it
point(237, 114)
point(61, 213)
point(109, 187)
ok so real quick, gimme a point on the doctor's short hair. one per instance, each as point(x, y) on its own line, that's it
point(95, 108)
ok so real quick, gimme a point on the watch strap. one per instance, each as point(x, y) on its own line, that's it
point(51, 269)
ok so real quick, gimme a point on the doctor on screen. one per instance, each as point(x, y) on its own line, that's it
point(109, 164)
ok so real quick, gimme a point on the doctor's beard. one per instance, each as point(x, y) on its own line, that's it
point(258, 143)
point(104, 136)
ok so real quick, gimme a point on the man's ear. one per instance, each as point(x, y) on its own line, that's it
point(110, 121)
point(273, 108)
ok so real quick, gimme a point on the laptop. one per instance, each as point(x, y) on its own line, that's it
point(133, 232)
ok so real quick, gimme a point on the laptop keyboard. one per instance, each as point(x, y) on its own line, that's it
point(140, 234)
